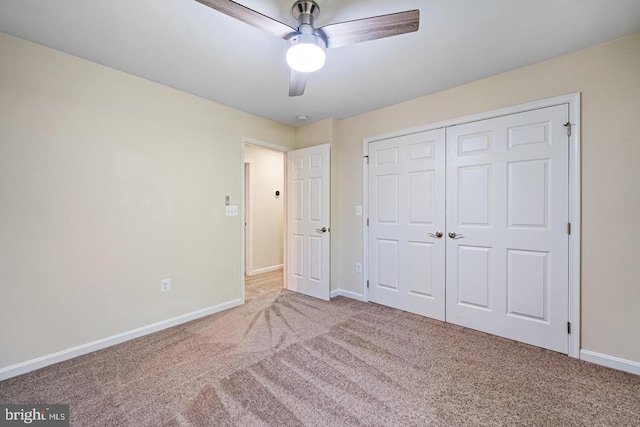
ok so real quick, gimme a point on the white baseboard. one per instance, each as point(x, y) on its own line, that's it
point(347, 294)
point(265, 270)
point(610, 361)
point(70, 353)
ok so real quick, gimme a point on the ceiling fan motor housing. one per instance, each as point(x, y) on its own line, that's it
point(306, 12)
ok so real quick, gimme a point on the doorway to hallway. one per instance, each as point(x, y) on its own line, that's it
point(264, 210)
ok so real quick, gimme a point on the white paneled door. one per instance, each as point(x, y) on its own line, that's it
point(308, 227)
point(501, 265)
point(507, 217)
point(406, 223)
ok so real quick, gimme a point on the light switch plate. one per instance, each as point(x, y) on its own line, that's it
point(359, 210)
point(231, 210)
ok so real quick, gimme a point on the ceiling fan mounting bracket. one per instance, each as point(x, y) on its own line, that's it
point(305, 12)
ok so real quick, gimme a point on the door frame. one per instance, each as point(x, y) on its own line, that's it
point(573, 101)
point(248, 219)
point(244, 140)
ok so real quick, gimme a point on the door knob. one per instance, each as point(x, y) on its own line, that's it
point(455, 236)
point(437, 235)
point(321, 230)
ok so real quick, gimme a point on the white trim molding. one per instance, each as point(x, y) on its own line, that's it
point(248, 228)
point(276, 147)
point(610, 361)
point(266, 269)
point(347, 294)
point(70, 353)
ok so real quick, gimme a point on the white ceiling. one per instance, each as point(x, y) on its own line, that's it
point(190, 47)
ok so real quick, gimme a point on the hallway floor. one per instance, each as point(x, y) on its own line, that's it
point(263, 284)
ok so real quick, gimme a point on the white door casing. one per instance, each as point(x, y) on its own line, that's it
point(308, 225)
point(406, 214)
point(507, 203)
point(248, 264)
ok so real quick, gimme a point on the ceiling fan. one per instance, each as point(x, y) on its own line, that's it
point(308, 44)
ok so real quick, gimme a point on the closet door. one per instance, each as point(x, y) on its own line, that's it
point(406, 223)
point(507, 216)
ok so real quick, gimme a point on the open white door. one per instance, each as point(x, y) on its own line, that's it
point(308, 226)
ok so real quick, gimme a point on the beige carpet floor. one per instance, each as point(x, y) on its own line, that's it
point(261, 285)
point(284, 359)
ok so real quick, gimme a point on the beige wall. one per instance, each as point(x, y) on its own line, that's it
point(608, 76)
point(316, 133)
point(109, 183)
point(267, 210)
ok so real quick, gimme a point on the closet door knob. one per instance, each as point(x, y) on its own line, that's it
point(437, 235)
point(455, 236)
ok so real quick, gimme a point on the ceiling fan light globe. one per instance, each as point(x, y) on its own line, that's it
point(306, 54)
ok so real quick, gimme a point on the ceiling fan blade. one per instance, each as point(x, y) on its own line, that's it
point(249, 16)
point(297, 83)
point(376, 27)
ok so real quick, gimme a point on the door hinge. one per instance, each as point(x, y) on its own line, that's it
point(569, 328)
point(367, 284)
point(568, 126)
point(367, 222)
point(569, 228)
point(367, 157)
